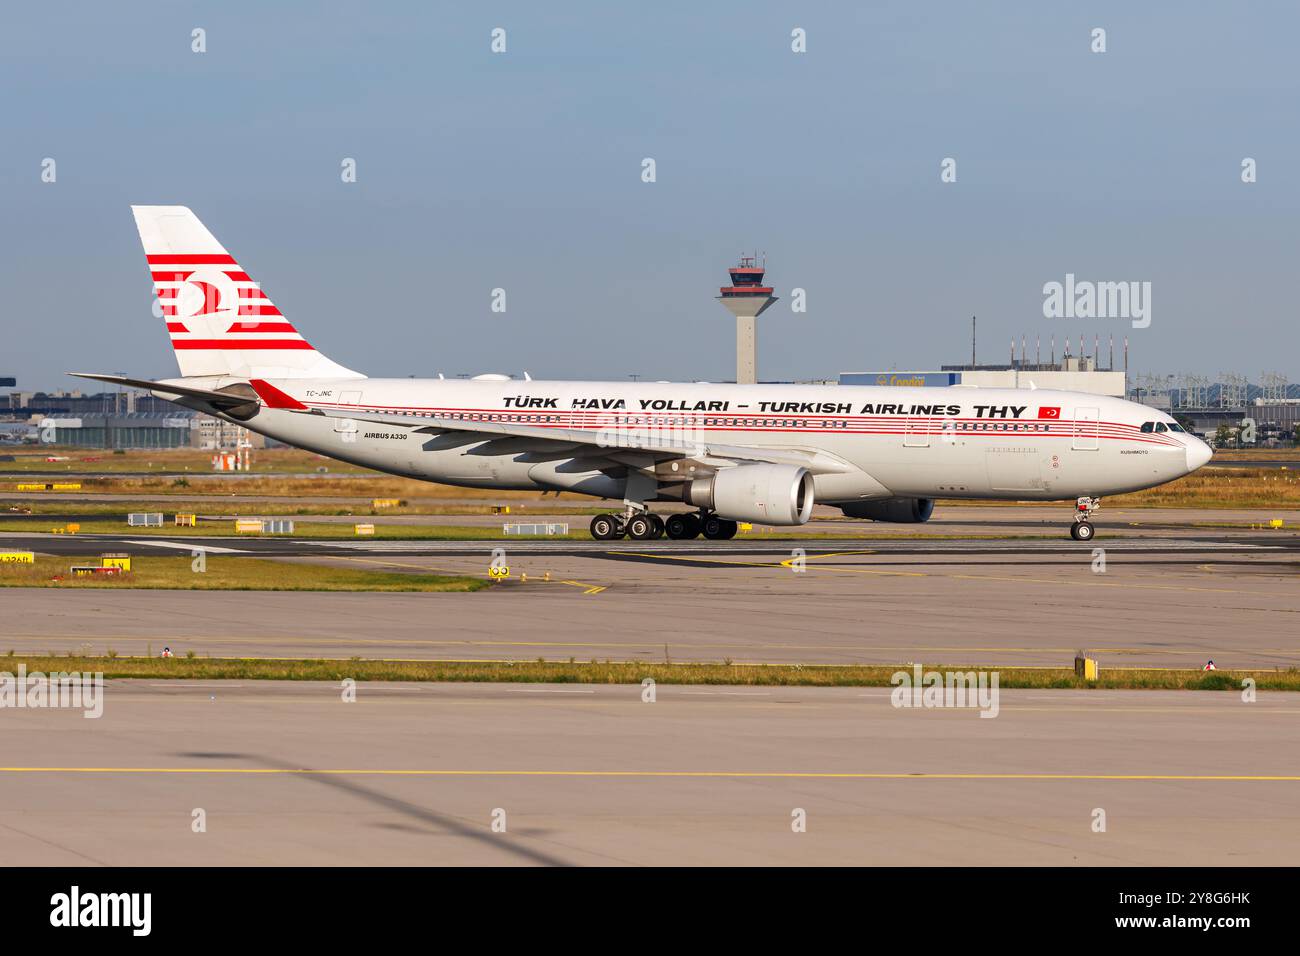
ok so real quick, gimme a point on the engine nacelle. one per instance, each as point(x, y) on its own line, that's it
point(897, 510)
point(769, 494)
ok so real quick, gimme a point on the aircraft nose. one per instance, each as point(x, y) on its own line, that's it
point(1198, 453)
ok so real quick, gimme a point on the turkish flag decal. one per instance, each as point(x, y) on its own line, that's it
point(1049, 413)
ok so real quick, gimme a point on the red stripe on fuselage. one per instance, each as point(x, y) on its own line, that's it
point(596, 420)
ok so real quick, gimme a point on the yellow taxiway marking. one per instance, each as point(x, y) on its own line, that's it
point(395, 564)
point(685, 557)
point(1004, 577)
point(809, 559)
point(588, 588)
point(787, 563)
point(1100, 584)
point(736, 774)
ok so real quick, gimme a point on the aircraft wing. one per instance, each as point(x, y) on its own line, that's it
point(661, 444)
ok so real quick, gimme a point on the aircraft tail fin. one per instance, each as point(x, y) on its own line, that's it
point(219, 319)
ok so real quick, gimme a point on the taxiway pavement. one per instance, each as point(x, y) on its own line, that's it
point(415, 774)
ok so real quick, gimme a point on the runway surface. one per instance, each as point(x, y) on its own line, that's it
point(1177, 590)
point(1049, 523)
point(412, 774)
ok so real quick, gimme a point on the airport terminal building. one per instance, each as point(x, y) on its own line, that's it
point(1071, 376)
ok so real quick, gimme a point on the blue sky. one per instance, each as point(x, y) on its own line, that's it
point(522, 171)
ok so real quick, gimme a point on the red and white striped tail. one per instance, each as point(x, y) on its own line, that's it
point(219, 321)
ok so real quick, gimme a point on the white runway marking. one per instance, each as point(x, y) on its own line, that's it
point(191, 546)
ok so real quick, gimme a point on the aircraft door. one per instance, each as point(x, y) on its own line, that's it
point(347, 427)
point(916, 433)
point(1086, 429)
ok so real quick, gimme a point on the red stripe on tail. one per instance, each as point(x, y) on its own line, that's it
point(194, 259)
point(222, 345)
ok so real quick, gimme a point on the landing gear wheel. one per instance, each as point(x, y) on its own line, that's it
point(605, 528)
point(1084, 509)
point(641, 527)
point(681, 527)
point(659, 526)
point(719, 529)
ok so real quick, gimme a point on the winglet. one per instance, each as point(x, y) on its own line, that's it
point(275, 398)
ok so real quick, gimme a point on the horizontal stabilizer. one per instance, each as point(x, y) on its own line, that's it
point(221, 400)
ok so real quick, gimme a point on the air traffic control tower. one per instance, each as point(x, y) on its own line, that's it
point(746, 298)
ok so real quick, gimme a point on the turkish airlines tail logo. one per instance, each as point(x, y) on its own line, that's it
point(211, 303)
point(210, 297)
point(220, 321)
point(1053, 412)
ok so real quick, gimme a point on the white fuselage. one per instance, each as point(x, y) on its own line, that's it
point(955, 442)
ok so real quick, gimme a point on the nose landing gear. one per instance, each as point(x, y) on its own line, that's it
point(1082, 529)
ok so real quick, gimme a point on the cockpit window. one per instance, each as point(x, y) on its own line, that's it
point(1160, 427)
point(1148, 426)
point(1175, 427)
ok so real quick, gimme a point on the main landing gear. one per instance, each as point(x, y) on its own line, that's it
point(684, 526)
point(1082, 529)
point(644, 526)
point(641, 526)
point(718, 529)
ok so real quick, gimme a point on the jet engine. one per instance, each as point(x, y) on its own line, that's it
point(769, 494)
point(897, 510)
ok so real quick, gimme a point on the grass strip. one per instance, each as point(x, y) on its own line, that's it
point(630, 672)
point(228, 574)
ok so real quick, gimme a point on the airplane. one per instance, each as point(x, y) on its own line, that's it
point(732, 453)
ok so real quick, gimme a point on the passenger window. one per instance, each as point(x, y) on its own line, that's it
point(1148, 426)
